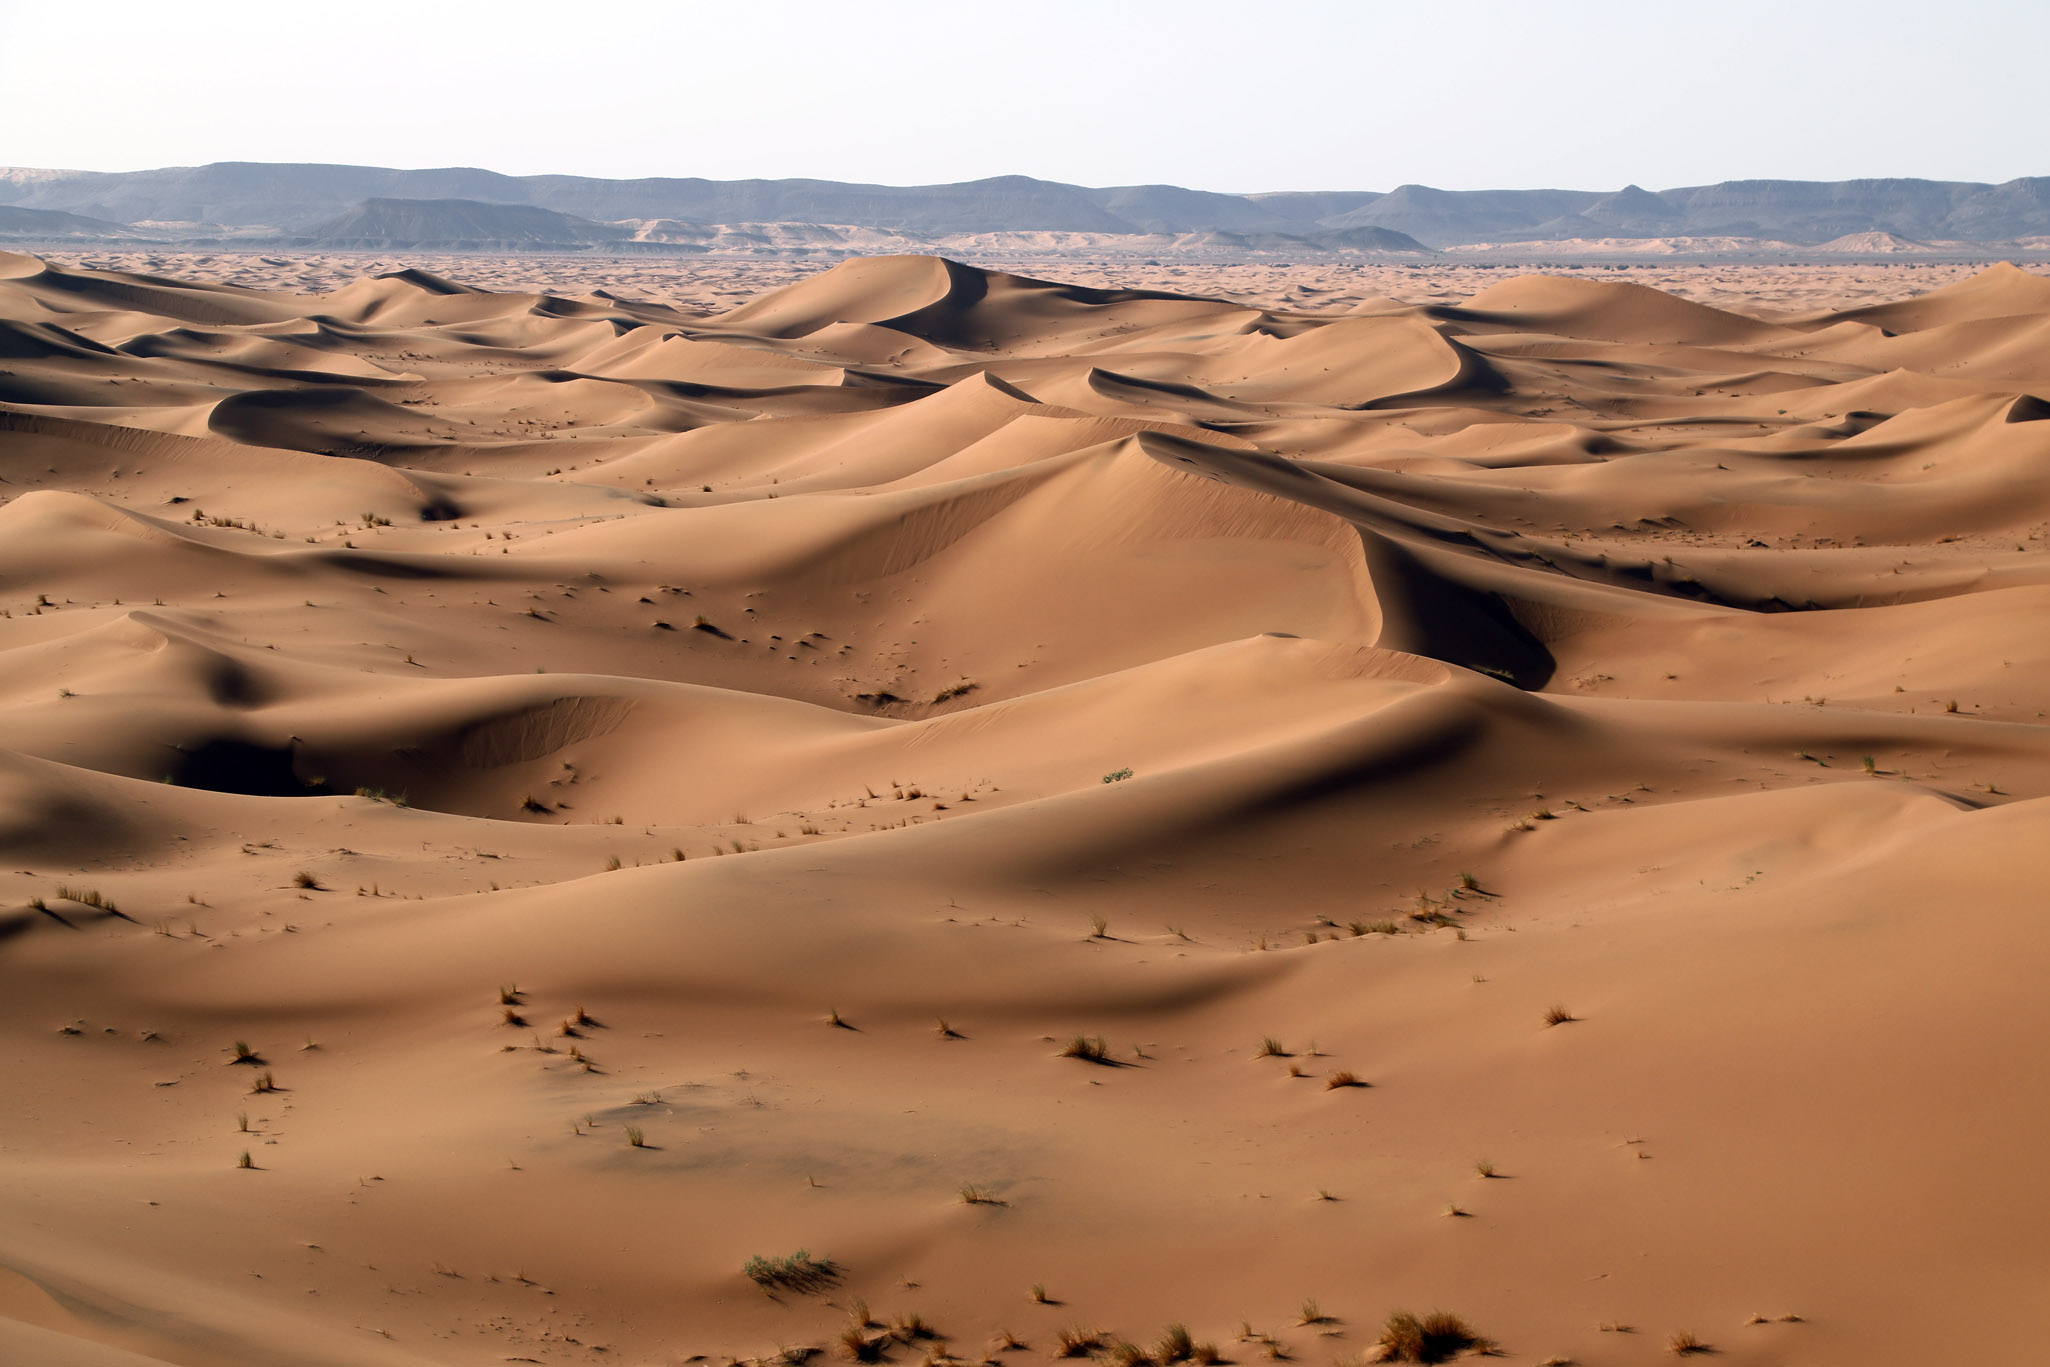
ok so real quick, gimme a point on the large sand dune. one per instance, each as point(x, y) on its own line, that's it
point(772, 734)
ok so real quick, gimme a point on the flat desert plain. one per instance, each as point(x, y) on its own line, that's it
point(924, 815)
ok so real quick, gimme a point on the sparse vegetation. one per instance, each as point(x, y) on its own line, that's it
point(1685, 1344)
point(797, 1271)
point(1558, 1015)
point(1123, 1353)
point(1088, 1048)
point(1437, 1337)
point(245, 1161)
point(1174, 1344)
point(635, 1138)
point(305, 879)
point(1342, 1077)
point(977, 1196)
point(857, 1345)
point(1270, 1047)
point(1074, 1342)
point(1117, 775)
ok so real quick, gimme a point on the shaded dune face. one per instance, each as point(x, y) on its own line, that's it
point(1537, 799)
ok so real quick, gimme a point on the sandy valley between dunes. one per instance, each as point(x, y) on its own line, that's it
point(1534, 785)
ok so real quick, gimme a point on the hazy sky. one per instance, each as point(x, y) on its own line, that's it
point(1287, 94)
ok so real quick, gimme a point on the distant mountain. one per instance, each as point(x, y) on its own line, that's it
point(291, 199)
point(54, 225)
point(382, 224)
point(1442, 217)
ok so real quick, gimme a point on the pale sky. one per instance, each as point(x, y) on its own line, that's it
point(1287, 94)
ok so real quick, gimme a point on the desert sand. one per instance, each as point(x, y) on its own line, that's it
point(518, 801)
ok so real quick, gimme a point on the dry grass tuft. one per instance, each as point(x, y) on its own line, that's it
point(857, 1346)
point(1343, 1077)
point(1088, 1048)
point(1074, 1342)
point(1174, 1344)
point(1558, 1015)
point(1437, 1337)
point(1126, 1354)
point(1685, 1344)
point(797, 1271)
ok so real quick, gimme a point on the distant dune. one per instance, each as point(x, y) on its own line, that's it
point(1874, 243)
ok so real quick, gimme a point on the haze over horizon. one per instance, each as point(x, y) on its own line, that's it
point(905, 94)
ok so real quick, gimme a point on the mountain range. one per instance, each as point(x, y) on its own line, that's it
point(331, 204)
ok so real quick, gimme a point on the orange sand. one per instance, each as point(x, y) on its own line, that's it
point(1570, 644)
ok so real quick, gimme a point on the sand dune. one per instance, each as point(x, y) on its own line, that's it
point(657, 782)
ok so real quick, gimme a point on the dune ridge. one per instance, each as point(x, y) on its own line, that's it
point(1539, 794)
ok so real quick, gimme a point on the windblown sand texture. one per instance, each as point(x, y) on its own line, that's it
point(529, 722)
